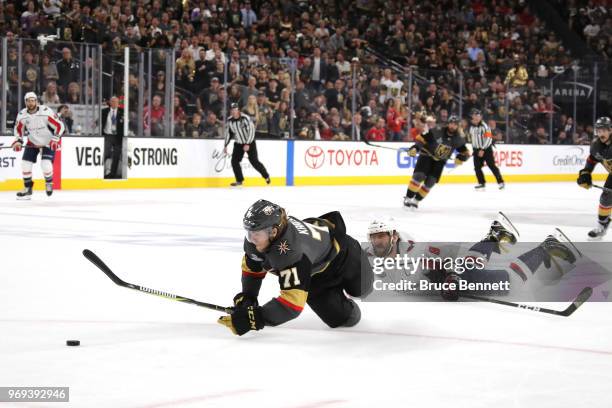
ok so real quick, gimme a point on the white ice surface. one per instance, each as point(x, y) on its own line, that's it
point(143, 351)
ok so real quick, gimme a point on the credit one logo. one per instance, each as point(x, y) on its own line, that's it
point(573, 157)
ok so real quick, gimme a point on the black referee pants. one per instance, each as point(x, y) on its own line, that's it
point(113, 144)
point(490, 161)
point(237, 156)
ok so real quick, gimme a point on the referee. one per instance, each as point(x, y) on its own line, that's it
point(242, 129)
point(482, 143)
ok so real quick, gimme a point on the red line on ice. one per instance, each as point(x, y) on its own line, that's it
point(320, 404)
point(423, 336)
point(192, 400)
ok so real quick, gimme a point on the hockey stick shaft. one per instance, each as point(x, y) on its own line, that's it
point(397, 149)
point(385, 147)
point(605, 189)
point(582, 297)
point(93, 258)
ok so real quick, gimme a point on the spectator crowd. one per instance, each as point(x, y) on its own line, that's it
point(313, 69)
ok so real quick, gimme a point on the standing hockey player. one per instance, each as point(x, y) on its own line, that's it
point(601, 152)
point(43, 129)
point(482, 143)
point(242, 129)
point(315, 261)
point(434, 150)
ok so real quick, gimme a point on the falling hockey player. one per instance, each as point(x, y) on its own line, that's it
point(601, 152)
point(315, 261)
point(43, 129)
point(434, 152)
point(386, 241)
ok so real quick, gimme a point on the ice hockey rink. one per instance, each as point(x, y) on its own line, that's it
point(142, 351)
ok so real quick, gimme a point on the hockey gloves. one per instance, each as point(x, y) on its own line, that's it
point(54, 145)
point(243, 320)
point(460, 159)
point(242, 301)
point(584, 179)
point(17, 145)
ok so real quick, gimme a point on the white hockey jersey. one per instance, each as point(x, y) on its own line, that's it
point(39, 127)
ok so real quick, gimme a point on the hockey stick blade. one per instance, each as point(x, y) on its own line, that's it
point(93, 258)
point(582, 297)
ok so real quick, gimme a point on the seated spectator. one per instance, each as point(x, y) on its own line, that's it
point(378, 132)
point(73, 96)
point(49, 70)
point(154, 116)
point(262, 125)
point(563, 139)
point(280, 122)
point(212, 128)
point(539, 137)
point(50, 95)
point(195, 128)
point(63, 111)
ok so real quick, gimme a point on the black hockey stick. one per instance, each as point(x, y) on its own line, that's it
point(104, 268)
point(582, 297)
point(398, 149)
point(385, 147)
point(605, 189)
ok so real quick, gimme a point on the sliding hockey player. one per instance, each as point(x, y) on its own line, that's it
point(387, 242)
point(434, 151)
point(315, 261)
point(43, 129)
point(601, 152)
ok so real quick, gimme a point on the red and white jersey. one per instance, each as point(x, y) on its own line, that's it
point(39, 127)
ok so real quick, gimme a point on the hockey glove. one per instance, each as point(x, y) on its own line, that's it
point(54, 145)
point(584, 179)
point(460, 159)
point(242, 301)
point(451, 294)
point(243, 320)
point(412, 152)
point(17, 145)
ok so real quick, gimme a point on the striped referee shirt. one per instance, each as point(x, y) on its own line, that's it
point(481, 135)
point(241, 129)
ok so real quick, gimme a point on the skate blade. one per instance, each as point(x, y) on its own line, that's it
point(506, 223)
point(598, 238)
point(25, 198)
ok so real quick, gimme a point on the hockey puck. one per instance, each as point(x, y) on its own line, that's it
point(73, 343)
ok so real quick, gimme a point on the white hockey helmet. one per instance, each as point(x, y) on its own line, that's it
point(29, 95)
point(381, 225)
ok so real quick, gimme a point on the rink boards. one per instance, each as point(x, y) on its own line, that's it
point(172, 163)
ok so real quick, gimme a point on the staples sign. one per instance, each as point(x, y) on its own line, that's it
point(508, 158)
